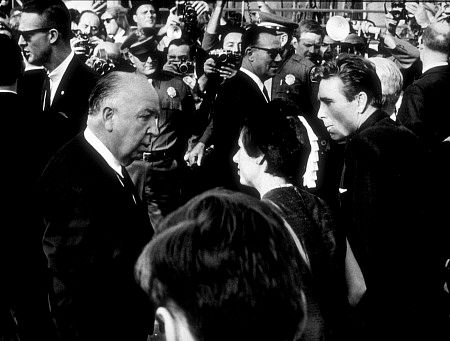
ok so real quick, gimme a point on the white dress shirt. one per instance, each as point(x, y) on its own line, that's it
point(256, 80)
point(102, 150)
point(57, 74)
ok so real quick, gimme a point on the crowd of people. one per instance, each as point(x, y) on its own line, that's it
point(191, 175)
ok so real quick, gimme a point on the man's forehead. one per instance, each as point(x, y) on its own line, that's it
point(30, 21)
point(181, 49)
point(334, 83)
point(144, 8)
point(310, 36)
point(269, 39)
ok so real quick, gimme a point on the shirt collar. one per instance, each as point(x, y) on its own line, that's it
point(254, 77)
point(102, 150)
point(57, 74)
point(434, 65)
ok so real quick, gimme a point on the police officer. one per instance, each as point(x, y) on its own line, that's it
point(161, 175)
point(292, 83)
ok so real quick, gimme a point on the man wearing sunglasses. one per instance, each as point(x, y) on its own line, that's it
point(241, 96)
point(161, 175)
point(61, 90)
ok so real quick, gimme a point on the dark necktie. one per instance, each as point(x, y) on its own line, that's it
point(47, 94)
point(266, 94)
point(128, 184)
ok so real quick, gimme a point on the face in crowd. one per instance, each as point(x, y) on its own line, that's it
point(89, 24)
point(309, 45)
point(130, 118)
point(248, 167)
point(146, 64)
point(265, 58)
point(232, 42)
point(110, 24)
point(338, 113)
point(145, 16)
point(35, 39)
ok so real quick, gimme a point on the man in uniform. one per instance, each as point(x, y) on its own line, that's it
point(161, 175)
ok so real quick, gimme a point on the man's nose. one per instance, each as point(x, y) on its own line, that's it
point(278, 57)
point(321, 112)
point(21, 41)
point(152, 130)
point(235, 157)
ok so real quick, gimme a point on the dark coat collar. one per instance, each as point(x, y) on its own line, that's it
point(436, 69)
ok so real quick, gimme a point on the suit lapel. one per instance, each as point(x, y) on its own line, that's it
point(65, 82)
point(249, 81)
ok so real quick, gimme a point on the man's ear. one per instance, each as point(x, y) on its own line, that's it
point(108, 118)
point(168, 321)
point(362, 102)
point(54, 35)
point(249, 53)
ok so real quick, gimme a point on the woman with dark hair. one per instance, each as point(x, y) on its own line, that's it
point(273, 151)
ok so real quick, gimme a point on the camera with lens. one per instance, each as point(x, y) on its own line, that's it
point(188, 16)
point(102, 66)
point(222, 57)
point(83, 40)
point(398, 10)
point(185, 67)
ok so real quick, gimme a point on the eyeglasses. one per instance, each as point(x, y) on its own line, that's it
point(107, 20)
point(28, 34)
point(273, 53)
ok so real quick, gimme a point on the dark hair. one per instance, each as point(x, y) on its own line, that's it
point(357, 74)
point(54, 14)
point(139, 3)
point(74, 15)
point(279, 135)
point(177, 42)
point(437, 37)
point(11, 61)
point(227, 29)
point(229, 263)
point(251, 35)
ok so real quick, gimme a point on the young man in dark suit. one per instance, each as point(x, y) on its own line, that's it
point(383, 206)
point(95, 223)
point(61, 90)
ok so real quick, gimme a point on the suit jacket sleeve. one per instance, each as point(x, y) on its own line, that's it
point(411, 110)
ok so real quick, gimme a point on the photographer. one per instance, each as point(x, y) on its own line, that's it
point(88, 34)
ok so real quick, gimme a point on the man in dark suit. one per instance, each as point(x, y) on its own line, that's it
point(423, 108)
point(242, 96)
point(20, 239)
point(96, 224)
point(62, 88)
point(383, 206)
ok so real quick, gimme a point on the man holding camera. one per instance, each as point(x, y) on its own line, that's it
point(64, 88)
point(161, 175)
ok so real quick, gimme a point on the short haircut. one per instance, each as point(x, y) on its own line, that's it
point(391, 80)
point(229, 263)
point(227, 29)
point(437, 37)
point(308, 26)
point(139, 3)
point(54, 14)
point(74, 15)
point(178, 42)
point(356, 73)
point(280, 136)
point(11, 61)
point(106, 87)
point(251, 35)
